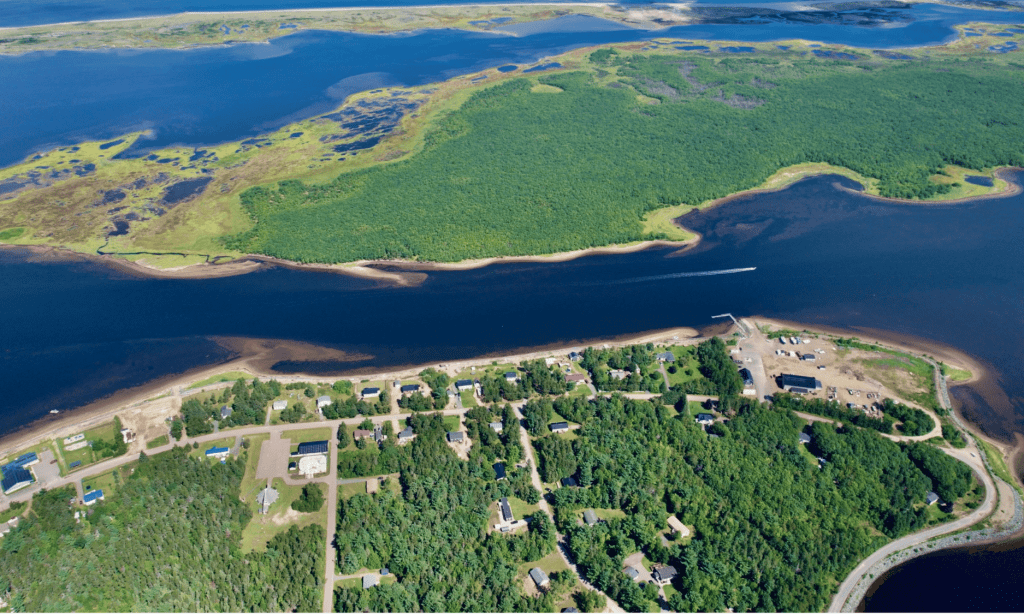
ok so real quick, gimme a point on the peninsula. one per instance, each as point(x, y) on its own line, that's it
point(599, 478)
point(609, 146)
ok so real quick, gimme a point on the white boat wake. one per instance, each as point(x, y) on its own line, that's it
point(634, 280)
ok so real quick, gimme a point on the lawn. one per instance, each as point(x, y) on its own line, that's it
point(314, 434)
point(580, 390)
point(105, 482)
point(997, 462)
point(521, 509)
point(229, 376)
point(347, 491)
point(550, 564)
point(451, 423)
point(468, 398)
point(693, 408)
point(9, 513)
point(918, 385)
point(162, 440)
point(262, 528)
point(250, 485)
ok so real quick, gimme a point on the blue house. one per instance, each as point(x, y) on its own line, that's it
point(92, 497)
point(15, 478)
point(218, 453)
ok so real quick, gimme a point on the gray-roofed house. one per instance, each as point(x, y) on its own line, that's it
point(499, 471)
point(663, 575)
point(370, 393)
point(805, 438)
point(370, 580)
point(632, 572)
point(931, 498)
point(406, 434)
point(569, 481)
point(497, 427)
point(410, 388)
point(666, 357)
point(280, 405)
point(506, 510)
point(590, 517)
point(455, 436)
point(539, 577)
point(464, 384)
point(322, 402)
point(378, 434)
point(559, 427)
point(510, 377)
point(575, 356)
point(705, 419)
point(617, 374)
point(266, 498)
point(225, 412)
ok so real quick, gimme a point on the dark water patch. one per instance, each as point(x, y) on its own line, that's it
point(478, 79)
point(541, 67)
point(295, 135)
point(783, 47)
point(737, 49)
point(165, 160)
point(85, 169)
point(73, 161)
point(833, 55)
point(287, 26)
point(1016, 30)
point(121, 228)
point(892, 55)
point(979, 180)
point(507, 68)
point(152, 157)
point(1007, 34)
point(198, 154)
point(357, 145)
point(7, 186)
point(814, 46)
point(116, 209)
point(183, 190)
point(111, 144)
point(114, 196)
point(694, 47)
point(225, 30)
point(1004, 48)
point(258, 142)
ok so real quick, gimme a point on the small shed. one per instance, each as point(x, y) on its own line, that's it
point(590, 517)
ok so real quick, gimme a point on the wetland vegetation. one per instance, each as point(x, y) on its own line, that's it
point(596, 156)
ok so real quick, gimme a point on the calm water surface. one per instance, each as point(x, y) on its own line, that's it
point(218, 94)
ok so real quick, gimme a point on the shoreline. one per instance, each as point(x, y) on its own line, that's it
point(415, 272)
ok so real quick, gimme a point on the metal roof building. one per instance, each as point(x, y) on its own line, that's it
point(15, 478)
point(92, 497)
point(313, 447)
point(788, 381)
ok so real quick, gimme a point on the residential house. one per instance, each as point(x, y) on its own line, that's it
point(931, 498)
point(463, 385)
point(559, 427)
point(370, 580)
point(280, 405)
point(663, 575)
point(455, 436)
point(361, 434)
point(677, 526)
point(266, 498)
point(632, 572)
point(370, 393)
point(92, 497)
point(225, 412)
point(510, 377)
point(575, 378)
point(505, 509)
point(666, 357)
point(748, 382)
point(497, 427)
point(410, 389)
point(575, 356)
point(705, 419)
point(569, 481)
point(499, 471)
point(805, 438)
point(322, 402)
point(128, 435)
point(220, 453)
point(406, 435)
point(617, 374)
point(590, 517)
point(539, 577)
point(15, 478)
point(378, 435)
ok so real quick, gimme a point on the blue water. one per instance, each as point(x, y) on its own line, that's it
point(541, 67)
point(212, 95)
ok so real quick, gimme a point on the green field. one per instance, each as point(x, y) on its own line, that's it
point(302, 435)
point(262, 528)
point(162, 440)
point(230, 376)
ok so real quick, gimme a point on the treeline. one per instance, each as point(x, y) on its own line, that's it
point(165, 539)
point(592, 161)
point(832, 409)
point(248, 406)
point(637, 361)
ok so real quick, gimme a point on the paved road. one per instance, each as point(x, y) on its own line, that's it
point(332, 522)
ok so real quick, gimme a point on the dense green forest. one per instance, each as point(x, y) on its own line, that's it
point(518, 172)
point(165, 539)
point(772, 531)
point(432, 536)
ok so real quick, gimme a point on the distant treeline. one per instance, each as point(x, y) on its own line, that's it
point(515, 172)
